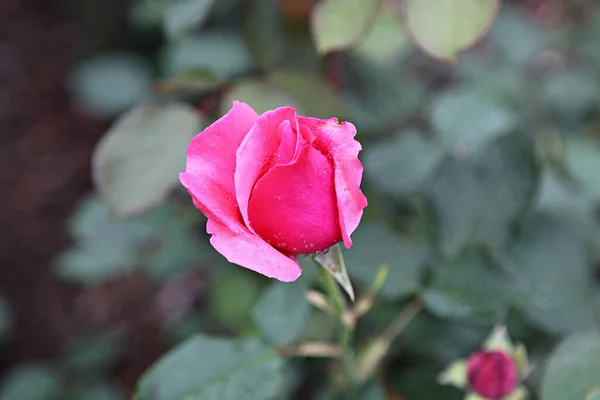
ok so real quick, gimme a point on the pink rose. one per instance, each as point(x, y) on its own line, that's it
point(274, 186)
point(492, 374)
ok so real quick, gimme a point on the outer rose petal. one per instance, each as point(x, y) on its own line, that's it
point(257, 152)
point(293, 206)
point(250, 251)
point(338, 140)
point(210, 166)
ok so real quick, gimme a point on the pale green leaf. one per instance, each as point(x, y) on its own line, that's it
point(111, 83)
point(573, 371)
point(442, 28)
point(222, 52)
point(582, 159)
point(315, 97)
point(137, 162)
point(207, 368)
point(338, 24)
point(104, 249)
point(386, 40)
point(518, 36)
point(573, 92)
point(30, 382)
point(261, 96)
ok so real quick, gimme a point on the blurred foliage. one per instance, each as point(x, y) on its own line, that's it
point(481, 169)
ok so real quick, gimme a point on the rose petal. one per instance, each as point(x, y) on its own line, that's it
point(293, 207)
point(210, 166)
point(287, 144)
point(250, 251)
point(256, 153)
point(338, 140)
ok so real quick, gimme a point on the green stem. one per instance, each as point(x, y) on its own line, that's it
point(333, 290)
point(339, 305)
point(379, 348)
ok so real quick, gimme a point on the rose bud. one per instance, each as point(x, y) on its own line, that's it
point(275, 186)
point(492, 374)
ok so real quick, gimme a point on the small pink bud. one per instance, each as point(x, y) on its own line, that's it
point(492, 374)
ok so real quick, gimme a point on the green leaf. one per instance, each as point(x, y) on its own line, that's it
point(333, 263)
point(573, 370)
point(182, 16)
point(466, 119)
point(338, 24)
point(381, 96)
point(205, 368)
point(405, 262)
point(161, 241)
point(372, 390)
point(31, 382)
point(147, 13)
point(175, 246)
point(571, 93)
point(422, 338)
point(561, 197)
point(5, 319)
point(109, 84)
point(590, 35)
point(232, 293)
point(264, 32)
point(476, 200)
point(554, 272)
point(315, 97)
point(281, 312)
point(386, 40)
point(137, 162)
point(402, 165)
point(193, 80)
point(470, 287)
point(517, 35)
point(582, 159)
point(261, 96)
point(496, 81)
point(94, 352)
point(442, 28)
point(222, 52)
point(97, 391)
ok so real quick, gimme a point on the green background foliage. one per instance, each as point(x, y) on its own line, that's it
point(481, 133)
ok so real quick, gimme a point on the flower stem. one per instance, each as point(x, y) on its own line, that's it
point(333, 290)
point(339, 305)
point(378, 348)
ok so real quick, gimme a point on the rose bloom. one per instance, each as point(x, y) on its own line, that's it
point(275, 186)
point(492, 374)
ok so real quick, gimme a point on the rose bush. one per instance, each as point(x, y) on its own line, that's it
point(275, 186)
